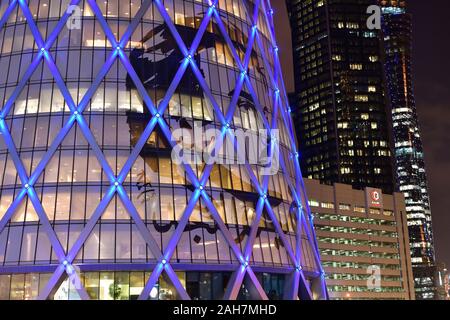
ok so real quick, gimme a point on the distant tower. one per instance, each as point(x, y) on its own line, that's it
point(409, 154)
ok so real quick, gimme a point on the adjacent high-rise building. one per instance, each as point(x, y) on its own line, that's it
point(341, 112)
point(363, 241)
point(355, 110)
point(113, 184)
point(408, 150)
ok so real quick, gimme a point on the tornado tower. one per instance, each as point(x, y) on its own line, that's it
point(147, 152)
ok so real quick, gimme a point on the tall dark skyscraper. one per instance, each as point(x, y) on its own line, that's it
point(342, 117)
point(355, 111)
point(410, 167)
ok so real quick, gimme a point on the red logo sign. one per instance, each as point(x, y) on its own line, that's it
point(375, 195)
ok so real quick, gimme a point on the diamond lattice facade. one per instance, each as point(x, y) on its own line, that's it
point(93, 205)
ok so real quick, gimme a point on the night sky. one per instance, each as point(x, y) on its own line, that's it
point(431, 71)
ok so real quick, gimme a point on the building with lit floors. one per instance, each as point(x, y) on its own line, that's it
point(411, 176)
point(340, 108)
point(363, 241)
point(442, 282)
point(97, 104)
point(355, 111)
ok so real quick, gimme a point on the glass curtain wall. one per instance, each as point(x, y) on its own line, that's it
point(74, 180)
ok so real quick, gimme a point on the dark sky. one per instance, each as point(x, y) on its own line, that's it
point(431, 72)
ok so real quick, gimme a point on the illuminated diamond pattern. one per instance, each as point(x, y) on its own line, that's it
point(313, 288)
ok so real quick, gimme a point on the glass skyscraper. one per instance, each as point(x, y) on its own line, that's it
point(340, 106)
point(99, 100)
point(356, 114)
point(409, 156)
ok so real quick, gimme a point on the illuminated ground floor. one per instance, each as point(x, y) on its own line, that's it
point(128, 285)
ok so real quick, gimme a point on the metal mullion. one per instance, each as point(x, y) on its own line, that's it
point(253, 16)
point(13, 152)
point(208, 167)
point(61, 24)
point(228, 117)
point(277, 215)
point(254, 96)
point(152, 123)
point(36, 243)
point(90, 224)
point(264, 59)
point(71, 182)
point(207, 92)
point(15, 94)
point(172, 88)
point(168, 20)
point(60, 82)
point(66, 128)
point(32, 24)
point(143, 230)
point(56, 245)
point(244, 161)
point(97, 81)
point(101, 19)
point(136, 151)
point(254, 230)
point(280, 232)
point(52, 150)
point(7, 13)
point(287, 179)
point(34, 143)
point(233, 103)
point(268, 24)
point(6, 246)
point(291, 133)
point(53, 36)
point(227, 39)
point(202, 29)
point(139, 86)
point(168, 135)
point(134, 22)
point(182, 223)
point(299, 228)
point(226, 233)
point(265, 178)
point(22, 226)
point(95, 148)
point(223, 228)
